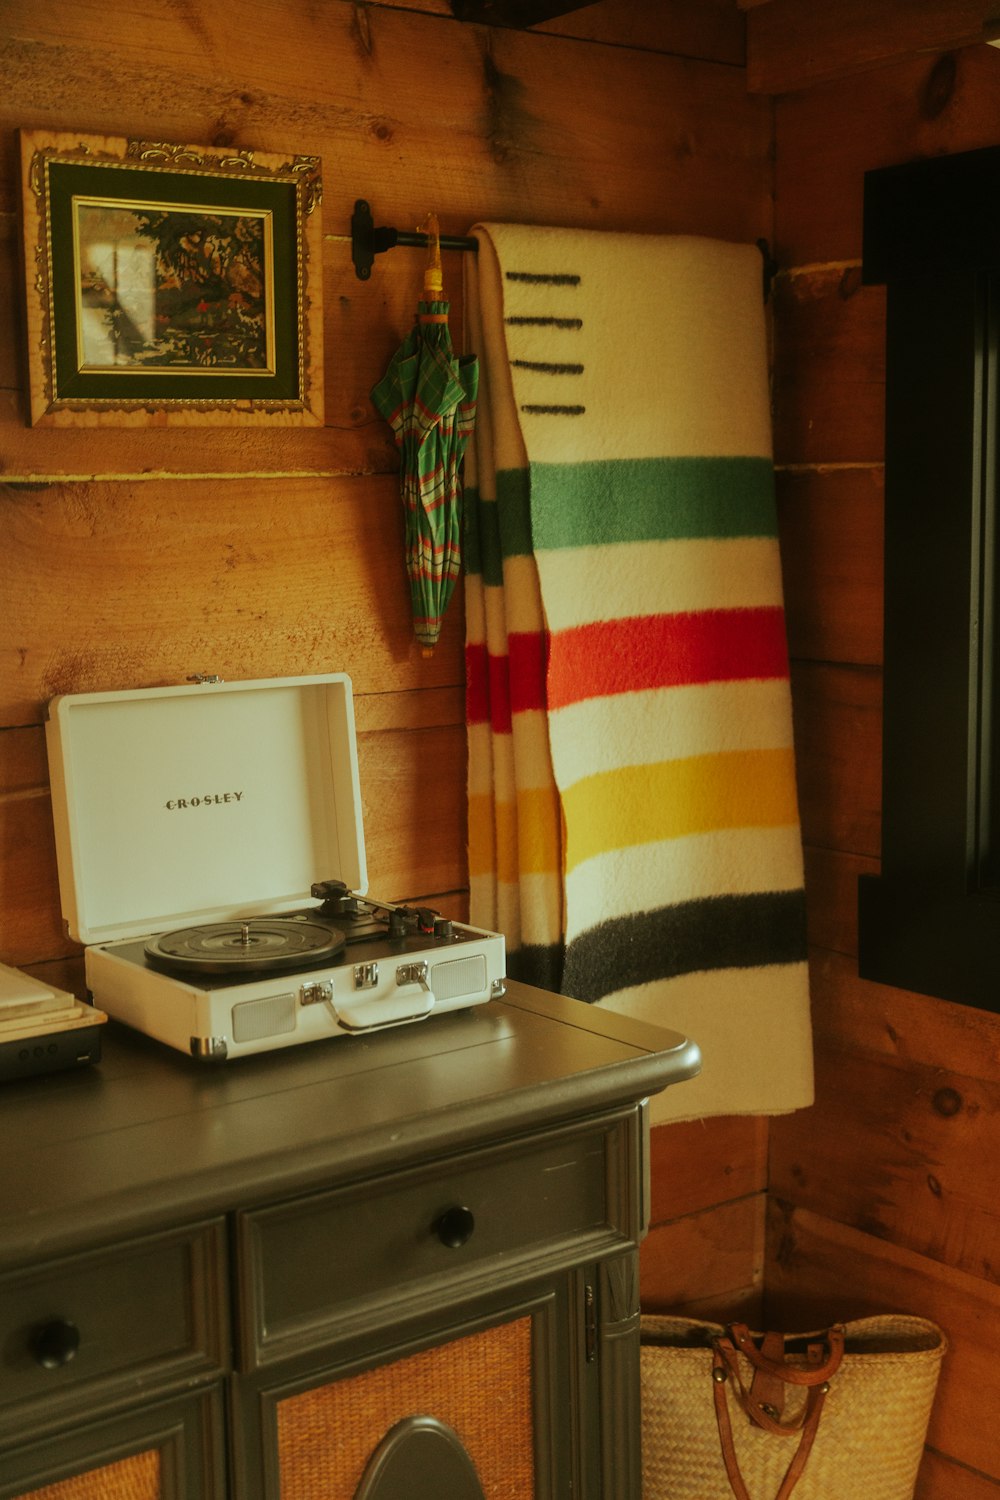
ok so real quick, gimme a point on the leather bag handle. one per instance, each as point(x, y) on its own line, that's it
point(743, 1340)
point(756, 1402)
point(815, 1398)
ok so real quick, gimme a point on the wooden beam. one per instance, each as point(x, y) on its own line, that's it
point(516, 13)
point(793, 44)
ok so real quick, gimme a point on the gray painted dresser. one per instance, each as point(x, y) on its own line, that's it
point(234, 1280)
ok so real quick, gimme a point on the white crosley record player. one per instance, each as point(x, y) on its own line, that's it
point(211, 858)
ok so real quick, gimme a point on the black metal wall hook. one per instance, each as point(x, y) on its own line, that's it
point(367, 241)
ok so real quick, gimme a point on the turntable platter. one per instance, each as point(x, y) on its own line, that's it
point(244, 946)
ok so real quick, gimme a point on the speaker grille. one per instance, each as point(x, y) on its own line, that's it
point(480, 1386)
point(253, 1019)
point(458, 977)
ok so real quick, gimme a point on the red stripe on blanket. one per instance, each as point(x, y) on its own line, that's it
point(497, 686)
point(654, 651)
point(477, 684)
point(529, 659)
point(487, 689)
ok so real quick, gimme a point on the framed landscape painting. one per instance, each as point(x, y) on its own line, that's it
point(170, 284)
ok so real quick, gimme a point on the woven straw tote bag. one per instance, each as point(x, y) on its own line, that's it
point(840, 1414)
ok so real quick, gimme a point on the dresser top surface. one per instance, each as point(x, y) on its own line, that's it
point(149, 1137)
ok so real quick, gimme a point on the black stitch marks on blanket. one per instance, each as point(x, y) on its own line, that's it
point(543, 278)
point(527, 322)
point(554, 411)
point(544, 368)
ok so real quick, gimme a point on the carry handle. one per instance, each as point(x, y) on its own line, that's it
point(744, 1341)
point(815, 1398)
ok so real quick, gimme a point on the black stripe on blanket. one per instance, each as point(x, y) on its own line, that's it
point(540, 965)
point(544, 368)
point(519, 321)
point(720, 932)
point(554, 411)
point(544, 278)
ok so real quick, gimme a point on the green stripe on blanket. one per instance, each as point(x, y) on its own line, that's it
point(652, 499)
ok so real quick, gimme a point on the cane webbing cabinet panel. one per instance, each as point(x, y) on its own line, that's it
point(280, 1277)
point(479, 1385)
point(134, 1478)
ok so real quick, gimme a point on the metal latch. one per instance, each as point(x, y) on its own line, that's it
point(316, 992)
point(412, 974)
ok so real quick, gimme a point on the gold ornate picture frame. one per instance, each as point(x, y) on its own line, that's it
point(170, 284)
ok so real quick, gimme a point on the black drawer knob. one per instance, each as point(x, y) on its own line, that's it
point(455, 1226)
point(55, 1344)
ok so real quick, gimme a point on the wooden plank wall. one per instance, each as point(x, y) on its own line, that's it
point(885, 1194)
point(135, 557)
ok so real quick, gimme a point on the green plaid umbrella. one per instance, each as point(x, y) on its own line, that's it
point(428, 397)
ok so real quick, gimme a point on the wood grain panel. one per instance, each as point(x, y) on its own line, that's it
point(828, 137)
point(710, 29)
point(829, 368)
point(793, 44)
point(832, 897)
point(830, 525)
point(31, 924)
point(852, 1014)
point(61, 974)
point(942, 1479)
point(529, 125)
point(116, 585)
point(821, 1271)
point(412, 787)
point(697, 1163)
point(428, 709)
point(886, 1149)
point(12, 366)
point(711, 1261)
point(838, 734)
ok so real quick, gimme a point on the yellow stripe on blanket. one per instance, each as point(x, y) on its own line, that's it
point(644, 804)
point(513, 839)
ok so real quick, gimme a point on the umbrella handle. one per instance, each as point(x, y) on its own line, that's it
point(433, 277)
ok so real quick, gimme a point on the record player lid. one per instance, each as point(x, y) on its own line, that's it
point(203, 802)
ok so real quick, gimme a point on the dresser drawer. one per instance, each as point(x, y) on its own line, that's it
point(317, 1269)
point(141, 1317)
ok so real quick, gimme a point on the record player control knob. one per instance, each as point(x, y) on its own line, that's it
point(397, 923)
point(443, 928)
point(55, 1344)
point(455, 1227)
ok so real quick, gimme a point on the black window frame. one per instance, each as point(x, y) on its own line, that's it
point(930, 922)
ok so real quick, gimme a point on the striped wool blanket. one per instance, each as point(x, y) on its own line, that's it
point(633, 821)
